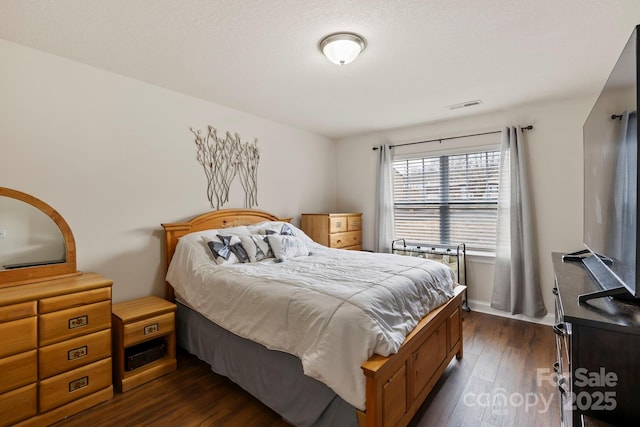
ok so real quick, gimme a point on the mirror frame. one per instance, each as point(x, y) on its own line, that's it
point(41, 272)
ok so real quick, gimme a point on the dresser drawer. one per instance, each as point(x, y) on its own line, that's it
point(18, 370)
point(17, 311)
point(63, 388)
point(394, 393)
point(48, 305)
point(70, 354)
point(145, 330)
point(354, 223)
point(343, 240)
point(18, 336)
point(427, 359)
point(16, 405)
point(73, 322)
point(337, 224)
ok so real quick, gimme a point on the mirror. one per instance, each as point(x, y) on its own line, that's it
point(35, 241)
point(28, 237)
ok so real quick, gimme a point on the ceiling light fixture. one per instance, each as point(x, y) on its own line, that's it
point(342, 48)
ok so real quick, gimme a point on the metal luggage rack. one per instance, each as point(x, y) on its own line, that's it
point(441, 253)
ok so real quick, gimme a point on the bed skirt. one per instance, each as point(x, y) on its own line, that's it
point(273, 377)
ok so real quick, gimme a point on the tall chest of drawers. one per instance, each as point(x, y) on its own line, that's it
point(55, 348)
point(335, 230)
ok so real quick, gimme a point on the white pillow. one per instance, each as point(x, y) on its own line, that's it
point(196, 236)
point(262, 227)
point(284, 246)
point(234, 231)
point(226, 249)
point(256, 246)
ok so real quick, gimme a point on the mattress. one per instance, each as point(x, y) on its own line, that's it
point(333, 309)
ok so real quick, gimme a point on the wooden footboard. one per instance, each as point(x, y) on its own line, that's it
point(397, 385)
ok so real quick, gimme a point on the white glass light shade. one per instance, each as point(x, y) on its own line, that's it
point(342, 48)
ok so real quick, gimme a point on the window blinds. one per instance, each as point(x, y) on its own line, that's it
point(447, 199)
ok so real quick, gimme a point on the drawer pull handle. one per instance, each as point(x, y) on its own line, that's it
point(559, 329)
point(562, 386)
point(339, 224)
point(78, 322)
point(78, 384)
point(151, 329)
point(77, 353)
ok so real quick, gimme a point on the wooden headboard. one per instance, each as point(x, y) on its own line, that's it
point(222, 218)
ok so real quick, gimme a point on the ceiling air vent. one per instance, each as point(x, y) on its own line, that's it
point(464, 104)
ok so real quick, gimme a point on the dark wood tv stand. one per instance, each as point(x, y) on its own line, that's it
point(598, 346)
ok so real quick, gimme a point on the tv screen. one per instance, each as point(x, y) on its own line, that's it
point(611, 176)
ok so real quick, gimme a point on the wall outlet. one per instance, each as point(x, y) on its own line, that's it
point(3, 234)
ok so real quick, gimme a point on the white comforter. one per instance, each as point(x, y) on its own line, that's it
point(333, 309)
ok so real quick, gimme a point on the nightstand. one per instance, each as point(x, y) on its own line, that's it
point(144, 341)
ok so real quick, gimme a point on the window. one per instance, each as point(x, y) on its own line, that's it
point(447, 199)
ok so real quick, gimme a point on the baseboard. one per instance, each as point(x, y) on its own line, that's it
point(485, 307)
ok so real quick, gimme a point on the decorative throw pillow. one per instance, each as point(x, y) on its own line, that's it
point(257, 247)
point(285, 246)
point(286, 230)
point(226, 249)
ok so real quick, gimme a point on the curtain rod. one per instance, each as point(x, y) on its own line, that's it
point(619, 116)
point(530, 127)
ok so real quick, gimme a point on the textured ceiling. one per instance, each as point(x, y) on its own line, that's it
point(261, 57)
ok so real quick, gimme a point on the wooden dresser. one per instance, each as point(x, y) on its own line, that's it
point(335, 230)
point(55, 322)
point(55, 348)
point(597, 346)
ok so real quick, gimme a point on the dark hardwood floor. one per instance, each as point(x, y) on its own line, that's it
point(495, 384)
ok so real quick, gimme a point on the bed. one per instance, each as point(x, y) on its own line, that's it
point(284, 377)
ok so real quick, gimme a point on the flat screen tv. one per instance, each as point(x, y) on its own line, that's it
point(610, 141)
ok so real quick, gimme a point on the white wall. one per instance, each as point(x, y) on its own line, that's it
point(114, 156)
point(555, 159)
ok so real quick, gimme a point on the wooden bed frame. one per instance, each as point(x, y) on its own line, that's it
point(396, 385)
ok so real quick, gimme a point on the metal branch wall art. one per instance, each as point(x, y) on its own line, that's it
point(224, 158)
point(248, 168)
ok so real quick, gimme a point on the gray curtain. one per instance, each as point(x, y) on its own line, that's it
point(516, 287)
point(384, 201)
point(621, 244)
